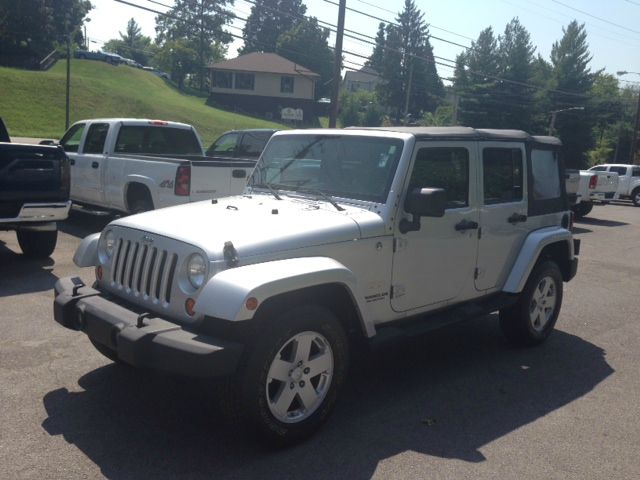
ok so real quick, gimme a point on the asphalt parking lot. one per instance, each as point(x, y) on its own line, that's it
point(459, 403)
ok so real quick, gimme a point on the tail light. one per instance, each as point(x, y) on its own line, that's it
point(183, 181)
point(65, 176)
point(593, 181)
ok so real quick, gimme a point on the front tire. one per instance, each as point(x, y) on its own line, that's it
point(290, 378)
point(531, 320)
point(635, 197)
point(36, 244)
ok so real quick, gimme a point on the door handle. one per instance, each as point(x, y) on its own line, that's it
point(516, 218)
point(95, 164)
point(72, 161)
point(465, 224)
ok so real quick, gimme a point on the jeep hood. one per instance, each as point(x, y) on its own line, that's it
point(258, 224)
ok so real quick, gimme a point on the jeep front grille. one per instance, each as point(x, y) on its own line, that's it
point(143, 270)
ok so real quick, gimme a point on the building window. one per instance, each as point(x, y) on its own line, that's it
point(286, 84)
point(245, 81)
point(222, 79)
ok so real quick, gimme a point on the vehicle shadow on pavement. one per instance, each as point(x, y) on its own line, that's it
point(579, 230)
point(446, 395)
point(80, 224)
point(19, 274)
point(600, 222)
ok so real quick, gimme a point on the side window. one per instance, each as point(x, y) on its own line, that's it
point(446, 168)
point(636, 172)
point(245, 81)
point(96, 136)
point(253, 143)
point(286, 84)
point(502, 175)
point(619, 170)
point(71, 140)
point(546, 174)
point(222, 79)
point(598, 169)
point(225, 145)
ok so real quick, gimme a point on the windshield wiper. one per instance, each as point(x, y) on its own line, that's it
point(320, 193)
point(269, 187)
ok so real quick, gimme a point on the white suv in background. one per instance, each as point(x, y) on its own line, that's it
point(628, 180)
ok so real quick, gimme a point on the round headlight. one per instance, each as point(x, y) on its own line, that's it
point(196, 270)
point(107, 244)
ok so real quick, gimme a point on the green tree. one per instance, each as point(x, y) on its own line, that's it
point(360, 109)
point(572, 81)
point(391, 89)
point(515, 54)
point(376, 59)
point(131, 44)
point(178, 58)
point(307, 44)
point(200, 24)
point(480, 103)
point(268, 20)
point(31, 29)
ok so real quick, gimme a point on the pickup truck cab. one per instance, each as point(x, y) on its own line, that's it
point(244, 144)
point(629, 180)
point(34, 193)
point(133, 165)
point(339, 237)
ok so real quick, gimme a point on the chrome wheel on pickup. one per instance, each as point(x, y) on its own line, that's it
point(299, 377)
point(532, 318)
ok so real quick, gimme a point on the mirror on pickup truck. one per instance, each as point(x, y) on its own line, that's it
point(48, 142)
point(423, 202)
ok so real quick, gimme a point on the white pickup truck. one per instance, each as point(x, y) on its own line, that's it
point(133, 165)
point(629, 180)
point(586, 186)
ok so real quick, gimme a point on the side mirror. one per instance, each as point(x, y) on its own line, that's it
point(47, 142)
point(423, 202)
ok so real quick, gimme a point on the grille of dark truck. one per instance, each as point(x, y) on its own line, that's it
point(143, 269)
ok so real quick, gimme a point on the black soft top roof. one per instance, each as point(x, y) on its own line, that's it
point(468, 133)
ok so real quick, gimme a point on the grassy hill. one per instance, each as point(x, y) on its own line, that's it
point(32, 104)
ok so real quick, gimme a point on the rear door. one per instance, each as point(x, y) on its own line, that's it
point(71, 143)
point(503, 210)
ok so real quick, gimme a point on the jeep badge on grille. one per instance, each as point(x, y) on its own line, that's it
point(147, 239)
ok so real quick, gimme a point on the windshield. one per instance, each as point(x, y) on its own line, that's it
point(346, 166)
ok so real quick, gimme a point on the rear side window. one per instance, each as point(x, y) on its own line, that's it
point(598, 169)
point(446, 168)
point(225, 145)
point(71, 140)
point(502, 175)
point(546, 175)
point(636, 172)
point(157, 140)
point(253, 143)
point(96, 136)
point(618, 170)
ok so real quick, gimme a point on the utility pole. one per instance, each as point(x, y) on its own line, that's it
point(406, 100)
point(337, 65)
point(634, 137)
point(66, 121)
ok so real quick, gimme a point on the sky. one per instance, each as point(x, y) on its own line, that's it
point(613, 26)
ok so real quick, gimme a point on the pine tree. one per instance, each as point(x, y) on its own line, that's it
point(570, 58)
point(377, 56)
point(268, 20)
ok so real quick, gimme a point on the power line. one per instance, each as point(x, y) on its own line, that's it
point(596, 17)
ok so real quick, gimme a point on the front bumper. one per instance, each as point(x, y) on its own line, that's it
point(41, 212)
point(144, 341)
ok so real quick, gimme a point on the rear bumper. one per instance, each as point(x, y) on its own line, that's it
point(40, 212)
point(149, 342)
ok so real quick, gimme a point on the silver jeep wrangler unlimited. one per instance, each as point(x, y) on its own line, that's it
point(338, 235)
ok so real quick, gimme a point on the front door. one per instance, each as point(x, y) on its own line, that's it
point(70, 142)
point(435, 265)
point(503, 210)
point(90, 164)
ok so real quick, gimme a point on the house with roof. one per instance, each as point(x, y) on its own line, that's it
point(364, 79)
point(264, 84)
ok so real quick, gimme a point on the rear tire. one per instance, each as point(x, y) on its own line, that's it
point(140, 201)
point(36, 244)
point(582, 209)
point(531, 320)
point(289, 379)
point(635, 197)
